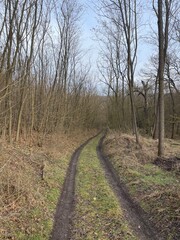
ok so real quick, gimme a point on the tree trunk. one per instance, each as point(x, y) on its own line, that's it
point(156, 111)
point(161, 80)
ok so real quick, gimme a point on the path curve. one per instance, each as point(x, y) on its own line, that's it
point(134, 214)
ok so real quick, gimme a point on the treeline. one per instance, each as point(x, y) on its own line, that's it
point(44, 85)
point(150, 102)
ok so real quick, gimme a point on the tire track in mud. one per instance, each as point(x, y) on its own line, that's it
point(65, 206)
point(134, 214)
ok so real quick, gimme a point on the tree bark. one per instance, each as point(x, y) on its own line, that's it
point(161, 80)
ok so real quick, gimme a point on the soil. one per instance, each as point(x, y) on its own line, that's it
point(168, 164)
point(137, 218)
point(65, 206)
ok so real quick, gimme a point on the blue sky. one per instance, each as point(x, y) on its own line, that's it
point(89, 20)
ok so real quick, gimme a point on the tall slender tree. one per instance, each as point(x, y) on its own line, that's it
point(161, 79)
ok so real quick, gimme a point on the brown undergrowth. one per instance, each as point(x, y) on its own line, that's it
point(31, 177)
point(155, 189)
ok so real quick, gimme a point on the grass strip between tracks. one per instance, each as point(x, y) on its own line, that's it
point(97, 212)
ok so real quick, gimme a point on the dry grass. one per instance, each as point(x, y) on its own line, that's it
point(148, 153)
point(31, 175)
point(156, 190)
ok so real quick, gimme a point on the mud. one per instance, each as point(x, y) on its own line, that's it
point(134, 214)
point(65, 206)
point(137, 218)
point(168, 164)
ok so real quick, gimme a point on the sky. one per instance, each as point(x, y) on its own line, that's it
point(89, 19)
point(89, 22)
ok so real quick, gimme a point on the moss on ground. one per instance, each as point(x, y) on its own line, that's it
point(97, 212)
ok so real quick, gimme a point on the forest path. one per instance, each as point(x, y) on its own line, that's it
point(64, 210)
point(132, 213)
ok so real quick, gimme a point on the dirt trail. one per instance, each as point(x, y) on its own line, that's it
point(137, 219)
point(64, 210)
point(134, 214)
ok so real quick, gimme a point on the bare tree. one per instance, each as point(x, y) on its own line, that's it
point(161, 79)
point(112, 67)
point(123, 15)
point(163, 42)
point(41, 70)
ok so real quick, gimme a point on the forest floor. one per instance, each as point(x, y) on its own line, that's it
point(101, 205)
point(102, 208)
point(153, 183)
point(32, 174)
point(109, 190)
